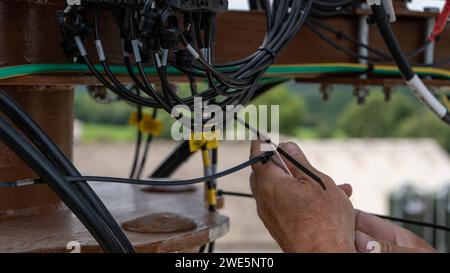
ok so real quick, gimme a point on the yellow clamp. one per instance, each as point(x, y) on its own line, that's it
point(212, 197)
point(133, 119)
point(206, 157)
point(199, 140)
point(147, 124)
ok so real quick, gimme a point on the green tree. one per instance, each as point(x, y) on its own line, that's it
point(426, 125)
point(377, 118)
point(292, 107)
point(88, 110)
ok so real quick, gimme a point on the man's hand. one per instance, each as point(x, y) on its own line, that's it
point(374, 234)
point(298, 213)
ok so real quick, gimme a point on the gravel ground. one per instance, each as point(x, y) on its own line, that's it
point(373, 167)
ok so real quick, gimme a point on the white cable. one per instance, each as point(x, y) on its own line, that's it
point(425, 95)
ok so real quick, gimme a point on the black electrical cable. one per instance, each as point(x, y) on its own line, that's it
point(59, 184)
point(193, 85)
point(146, 149)
point(166, 105)
point(380, 17)
point(141, 167)
point(341, 48)
point(388, 35)
point(248, 71)
point(213, 185)
point(264, 157)
point(384, 56)
point(341, 34)
point(133, 98)
point(211, 247)
point(284, 20)
point(117, 87)
point(332, 8)
point(248, 195)
point(121, 91)
point(263, 51)
point(202, 249)
point(149, 90)
point(138, 145)
point(238, 194)
point(210, 77)
point(413, 222)
point(286, 155)
point(45, 144)
point(387, 217)
point(301, 167)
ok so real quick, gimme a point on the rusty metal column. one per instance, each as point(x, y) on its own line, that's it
point(52, 108)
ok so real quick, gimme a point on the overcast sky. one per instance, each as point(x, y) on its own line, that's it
point(416, 4)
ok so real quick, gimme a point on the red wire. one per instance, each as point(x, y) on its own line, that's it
point(441, 21)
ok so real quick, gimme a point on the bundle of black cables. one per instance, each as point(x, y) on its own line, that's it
point(50, 163)
point(330, 8)
point(151, 33)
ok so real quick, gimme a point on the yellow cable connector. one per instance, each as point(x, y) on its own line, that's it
point(212, 197)
point(150, 125)
point(199, 140)
point(206, 158)
point(133, 119)
point(147, 124)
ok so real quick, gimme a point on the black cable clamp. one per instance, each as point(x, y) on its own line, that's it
point(372, 19)
point(272, 54)
point(340, 34)
point(266, 157)
point(71, 24)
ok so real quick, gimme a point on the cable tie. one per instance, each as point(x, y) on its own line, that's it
point(136, 52)
point(20, 183)
point(192, 51)
point(100, 51)
point(165, 56)
point(125, 53)
point(266, 157)
point(375, 19)
point(26, 182)
point(272, 54)
point(80, 46)
point(158, 60)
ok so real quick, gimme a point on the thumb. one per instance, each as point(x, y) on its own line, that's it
point(367, 244)
point(347, 189)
